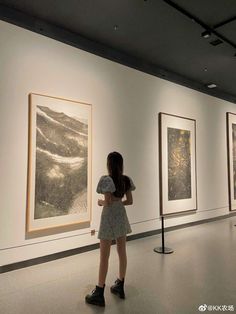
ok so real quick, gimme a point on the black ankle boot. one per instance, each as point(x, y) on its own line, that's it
point(96, 297)
point(118, 288)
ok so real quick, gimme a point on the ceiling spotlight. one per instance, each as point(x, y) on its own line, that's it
point(216, 42)
point(211, 85)
point(206, 34)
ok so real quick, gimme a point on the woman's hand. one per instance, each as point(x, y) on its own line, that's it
point(100, 202)
point(107, 201)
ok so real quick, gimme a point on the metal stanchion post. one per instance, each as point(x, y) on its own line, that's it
point(163, 249)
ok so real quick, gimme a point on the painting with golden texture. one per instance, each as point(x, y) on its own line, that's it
point(177, 157)
point(179, 164)
point(234, 156)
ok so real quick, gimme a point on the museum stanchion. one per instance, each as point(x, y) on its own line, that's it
point(162, 249)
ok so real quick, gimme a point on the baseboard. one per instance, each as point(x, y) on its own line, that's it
point(55, 256)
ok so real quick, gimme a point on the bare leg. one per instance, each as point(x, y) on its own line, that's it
point(105, 246)
point(121, 250)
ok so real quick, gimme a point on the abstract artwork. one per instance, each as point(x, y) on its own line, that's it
point(59, 176)
point(234, 156)
point(177, 164)
point(231, 145)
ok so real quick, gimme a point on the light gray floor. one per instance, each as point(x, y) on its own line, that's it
point(202, 270)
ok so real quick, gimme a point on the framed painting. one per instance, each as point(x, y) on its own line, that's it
point(177, 159)
point(59, 163)
point(231, 147)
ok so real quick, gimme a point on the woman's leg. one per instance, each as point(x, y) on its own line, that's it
point(105, 246)
point(121, 250)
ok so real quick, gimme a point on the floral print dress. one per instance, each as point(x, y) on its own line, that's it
point(114, 221)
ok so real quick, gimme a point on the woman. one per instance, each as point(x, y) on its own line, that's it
point(114, 225)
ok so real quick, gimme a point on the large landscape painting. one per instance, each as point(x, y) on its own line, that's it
point(59, 162)
point(177, 151)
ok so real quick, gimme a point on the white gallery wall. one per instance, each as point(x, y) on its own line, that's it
point(125, 106)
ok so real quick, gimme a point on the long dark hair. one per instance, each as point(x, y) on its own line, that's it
point(115, 170)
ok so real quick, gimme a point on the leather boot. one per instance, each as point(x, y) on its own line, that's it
point(118, 288)
point(96, 297)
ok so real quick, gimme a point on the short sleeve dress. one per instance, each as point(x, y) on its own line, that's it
point(114, 221)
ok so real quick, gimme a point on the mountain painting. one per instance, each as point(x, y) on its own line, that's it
point(60, 162)
point(179, 164)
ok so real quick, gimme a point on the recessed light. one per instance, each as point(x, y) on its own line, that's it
point(216, 42)
point(212, 85)
point(206, 34)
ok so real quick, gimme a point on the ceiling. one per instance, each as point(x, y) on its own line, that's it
point(160, 37)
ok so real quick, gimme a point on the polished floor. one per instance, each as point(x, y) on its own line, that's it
point(202, 270)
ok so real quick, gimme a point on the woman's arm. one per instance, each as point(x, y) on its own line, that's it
point(129, 198)
point(107, 200)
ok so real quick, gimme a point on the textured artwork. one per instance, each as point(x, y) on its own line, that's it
point(59, 163)
point(177, 151)
point(234, 156)
point(179, 164)
point(231, 147)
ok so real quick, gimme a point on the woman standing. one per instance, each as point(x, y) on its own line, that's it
point(114, 225)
